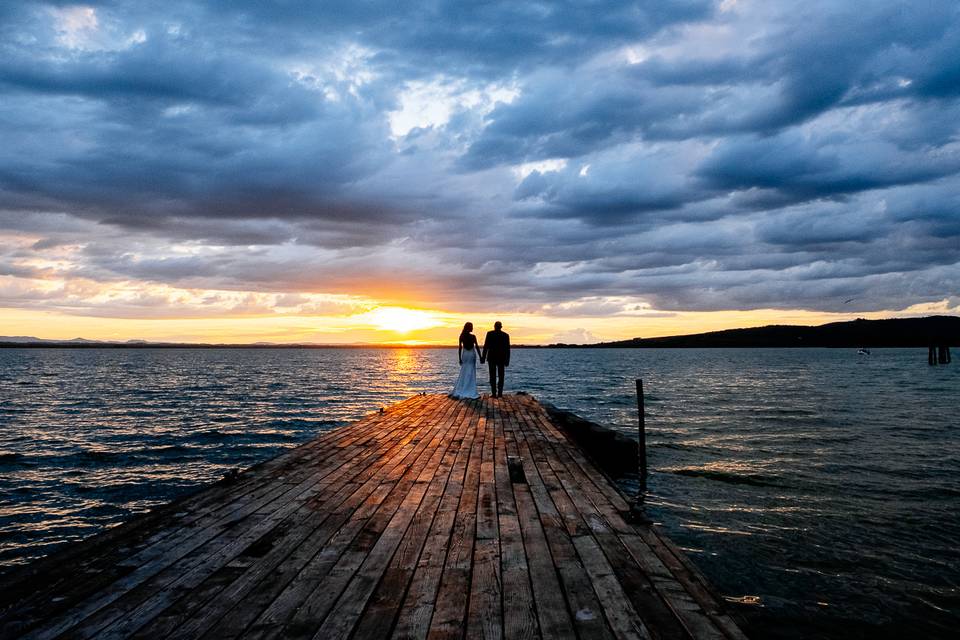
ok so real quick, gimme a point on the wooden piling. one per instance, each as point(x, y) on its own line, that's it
point(939, 355)
point(641, 441)
point(943, 356)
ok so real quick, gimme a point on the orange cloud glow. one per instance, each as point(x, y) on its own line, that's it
point(368, 322)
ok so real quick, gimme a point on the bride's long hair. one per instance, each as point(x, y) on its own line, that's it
point(467, 329)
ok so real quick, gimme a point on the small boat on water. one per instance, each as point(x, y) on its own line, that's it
point(862, 351)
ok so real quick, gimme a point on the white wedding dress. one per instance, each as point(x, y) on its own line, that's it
point(466, 386)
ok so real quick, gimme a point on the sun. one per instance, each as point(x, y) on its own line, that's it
point(400, 319)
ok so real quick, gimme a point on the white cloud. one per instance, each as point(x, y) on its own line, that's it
point(521, 171)
point(575, 336)
point(431, 103)
point(81, 28)
point(77, 27)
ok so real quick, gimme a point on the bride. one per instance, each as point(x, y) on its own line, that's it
point(467, 353)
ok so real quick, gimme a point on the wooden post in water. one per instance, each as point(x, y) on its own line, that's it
point(641, 441)
point(638, 514)
point(939, 355)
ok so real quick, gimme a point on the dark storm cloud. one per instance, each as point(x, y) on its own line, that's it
point(805, 168)
point(567, 158)
point(489, 38)
point(613, 191)
point(810, 59)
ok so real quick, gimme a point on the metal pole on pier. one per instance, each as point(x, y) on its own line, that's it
point(641, 441)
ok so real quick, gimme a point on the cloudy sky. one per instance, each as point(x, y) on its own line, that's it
point(345, 171)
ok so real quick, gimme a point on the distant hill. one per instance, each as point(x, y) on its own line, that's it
point(895, 332)
point(33, 340)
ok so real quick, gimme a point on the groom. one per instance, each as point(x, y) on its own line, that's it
point(496, 351)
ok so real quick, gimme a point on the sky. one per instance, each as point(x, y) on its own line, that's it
point(359, 171)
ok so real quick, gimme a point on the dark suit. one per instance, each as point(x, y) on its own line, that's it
point(496, 351)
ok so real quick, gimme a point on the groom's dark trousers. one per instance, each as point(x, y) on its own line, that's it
point(496, 385)
point(496, 351)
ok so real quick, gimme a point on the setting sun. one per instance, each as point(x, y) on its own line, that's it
point(399, 319)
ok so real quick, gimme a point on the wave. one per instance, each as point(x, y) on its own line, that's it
point(783, 411)
point(94, 457)
point(213, 435)
point(753, 479)
point(930, 493)
point(10, 459)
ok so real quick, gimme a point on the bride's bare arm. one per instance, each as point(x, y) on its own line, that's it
point(460, 351)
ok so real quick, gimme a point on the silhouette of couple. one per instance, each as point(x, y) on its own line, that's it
point(496, 353)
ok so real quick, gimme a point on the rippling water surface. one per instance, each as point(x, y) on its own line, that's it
point(818, 489)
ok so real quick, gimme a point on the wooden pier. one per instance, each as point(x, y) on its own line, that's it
point(435, 518)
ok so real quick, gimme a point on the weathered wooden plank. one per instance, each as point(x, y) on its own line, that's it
point(590, 502)
point(577, 588)
point(65, 562)
point(641, 590)
point(689, 577)
point(79, 571)
point(519, 615)
point(552, 613)
point(384, 603)
point(406, 524)
point(600, 480)
point(171, 583)
point(487, 494)
point(485, 618)
point(685, 607)
point(318, 602)
point(450, 607)
point(619, 612)
point(196, 615)
point(153, 567)
point(416, 612)
point(355, 598)
point(299, 609)
point(363, 579)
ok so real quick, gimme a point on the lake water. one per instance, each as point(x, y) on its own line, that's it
point(817, 489)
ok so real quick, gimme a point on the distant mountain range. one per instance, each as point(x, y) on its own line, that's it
point(32, 340)
point(895, 332)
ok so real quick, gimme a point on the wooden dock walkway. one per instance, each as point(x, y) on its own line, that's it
point(436, 518)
